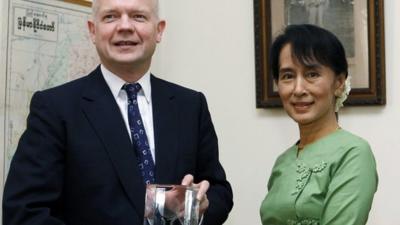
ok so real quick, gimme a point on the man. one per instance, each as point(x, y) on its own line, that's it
point(85, 156)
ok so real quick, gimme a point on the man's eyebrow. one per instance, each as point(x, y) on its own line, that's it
point(107, 11)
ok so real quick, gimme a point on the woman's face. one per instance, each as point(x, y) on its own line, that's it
point(307, 92)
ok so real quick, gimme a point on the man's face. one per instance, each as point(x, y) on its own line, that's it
point(126, 32)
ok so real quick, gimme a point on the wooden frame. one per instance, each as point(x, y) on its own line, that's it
point(80, 2)
point(373, 93)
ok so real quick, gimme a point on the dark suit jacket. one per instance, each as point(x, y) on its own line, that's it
point(75, 163)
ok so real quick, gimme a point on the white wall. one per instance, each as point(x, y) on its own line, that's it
point(209, 46)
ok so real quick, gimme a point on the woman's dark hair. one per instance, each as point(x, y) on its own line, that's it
point(309, 44)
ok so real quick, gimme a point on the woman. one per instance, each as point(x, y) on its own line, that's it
point(329, 176)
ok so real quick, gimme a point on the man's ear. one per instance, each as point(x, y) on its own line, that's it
point(160, 30)
point(339, 84)
point(92, 30)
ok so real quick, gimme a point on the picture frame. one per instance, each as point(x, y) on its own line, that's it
point(360, 27)
point(87, 3)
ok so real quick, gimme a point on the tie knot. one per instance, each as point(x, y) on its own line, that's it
point(132, 89)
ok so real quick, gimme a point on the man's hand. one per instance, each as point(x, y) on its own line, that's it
point(201, 195)
point(175, 197)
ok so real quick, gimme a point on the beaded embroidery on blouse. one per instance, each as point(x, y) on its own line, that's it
point(303, 222)
point(304, 173)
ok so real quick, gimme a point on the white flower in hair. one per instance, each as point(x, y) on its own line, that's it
point(345, 93)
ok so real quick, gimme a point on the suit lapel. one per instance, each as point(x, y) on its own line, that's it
point(103, 113)
point(165, 119)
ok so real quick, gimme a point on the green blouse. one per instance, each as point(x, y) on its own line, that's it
point(330, 182)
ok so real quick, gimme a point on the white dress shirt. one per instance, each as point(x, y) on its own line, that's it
point(115, 84)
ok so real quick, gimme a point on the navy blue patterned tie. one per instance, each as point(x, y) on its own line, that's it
point(138, 134)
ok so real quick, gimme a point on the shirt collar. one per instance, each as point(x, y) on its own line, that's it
point(115, 83)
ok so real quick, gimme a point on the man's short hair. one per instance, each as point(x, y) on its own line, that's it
point(95, 7)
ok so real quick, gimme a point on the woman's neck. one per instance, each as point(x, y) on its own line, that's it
point(310, 133)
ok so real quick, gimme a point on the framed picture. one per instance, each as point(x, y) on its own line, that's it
point(358, 24)
point(80, 2)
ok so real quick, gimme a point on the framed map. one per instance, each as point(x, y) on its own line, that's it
point(357, 23)
point(80, 2)
point(47, 44)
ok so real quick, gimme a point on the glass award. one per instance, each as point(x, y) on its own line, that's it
point(171, 205)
